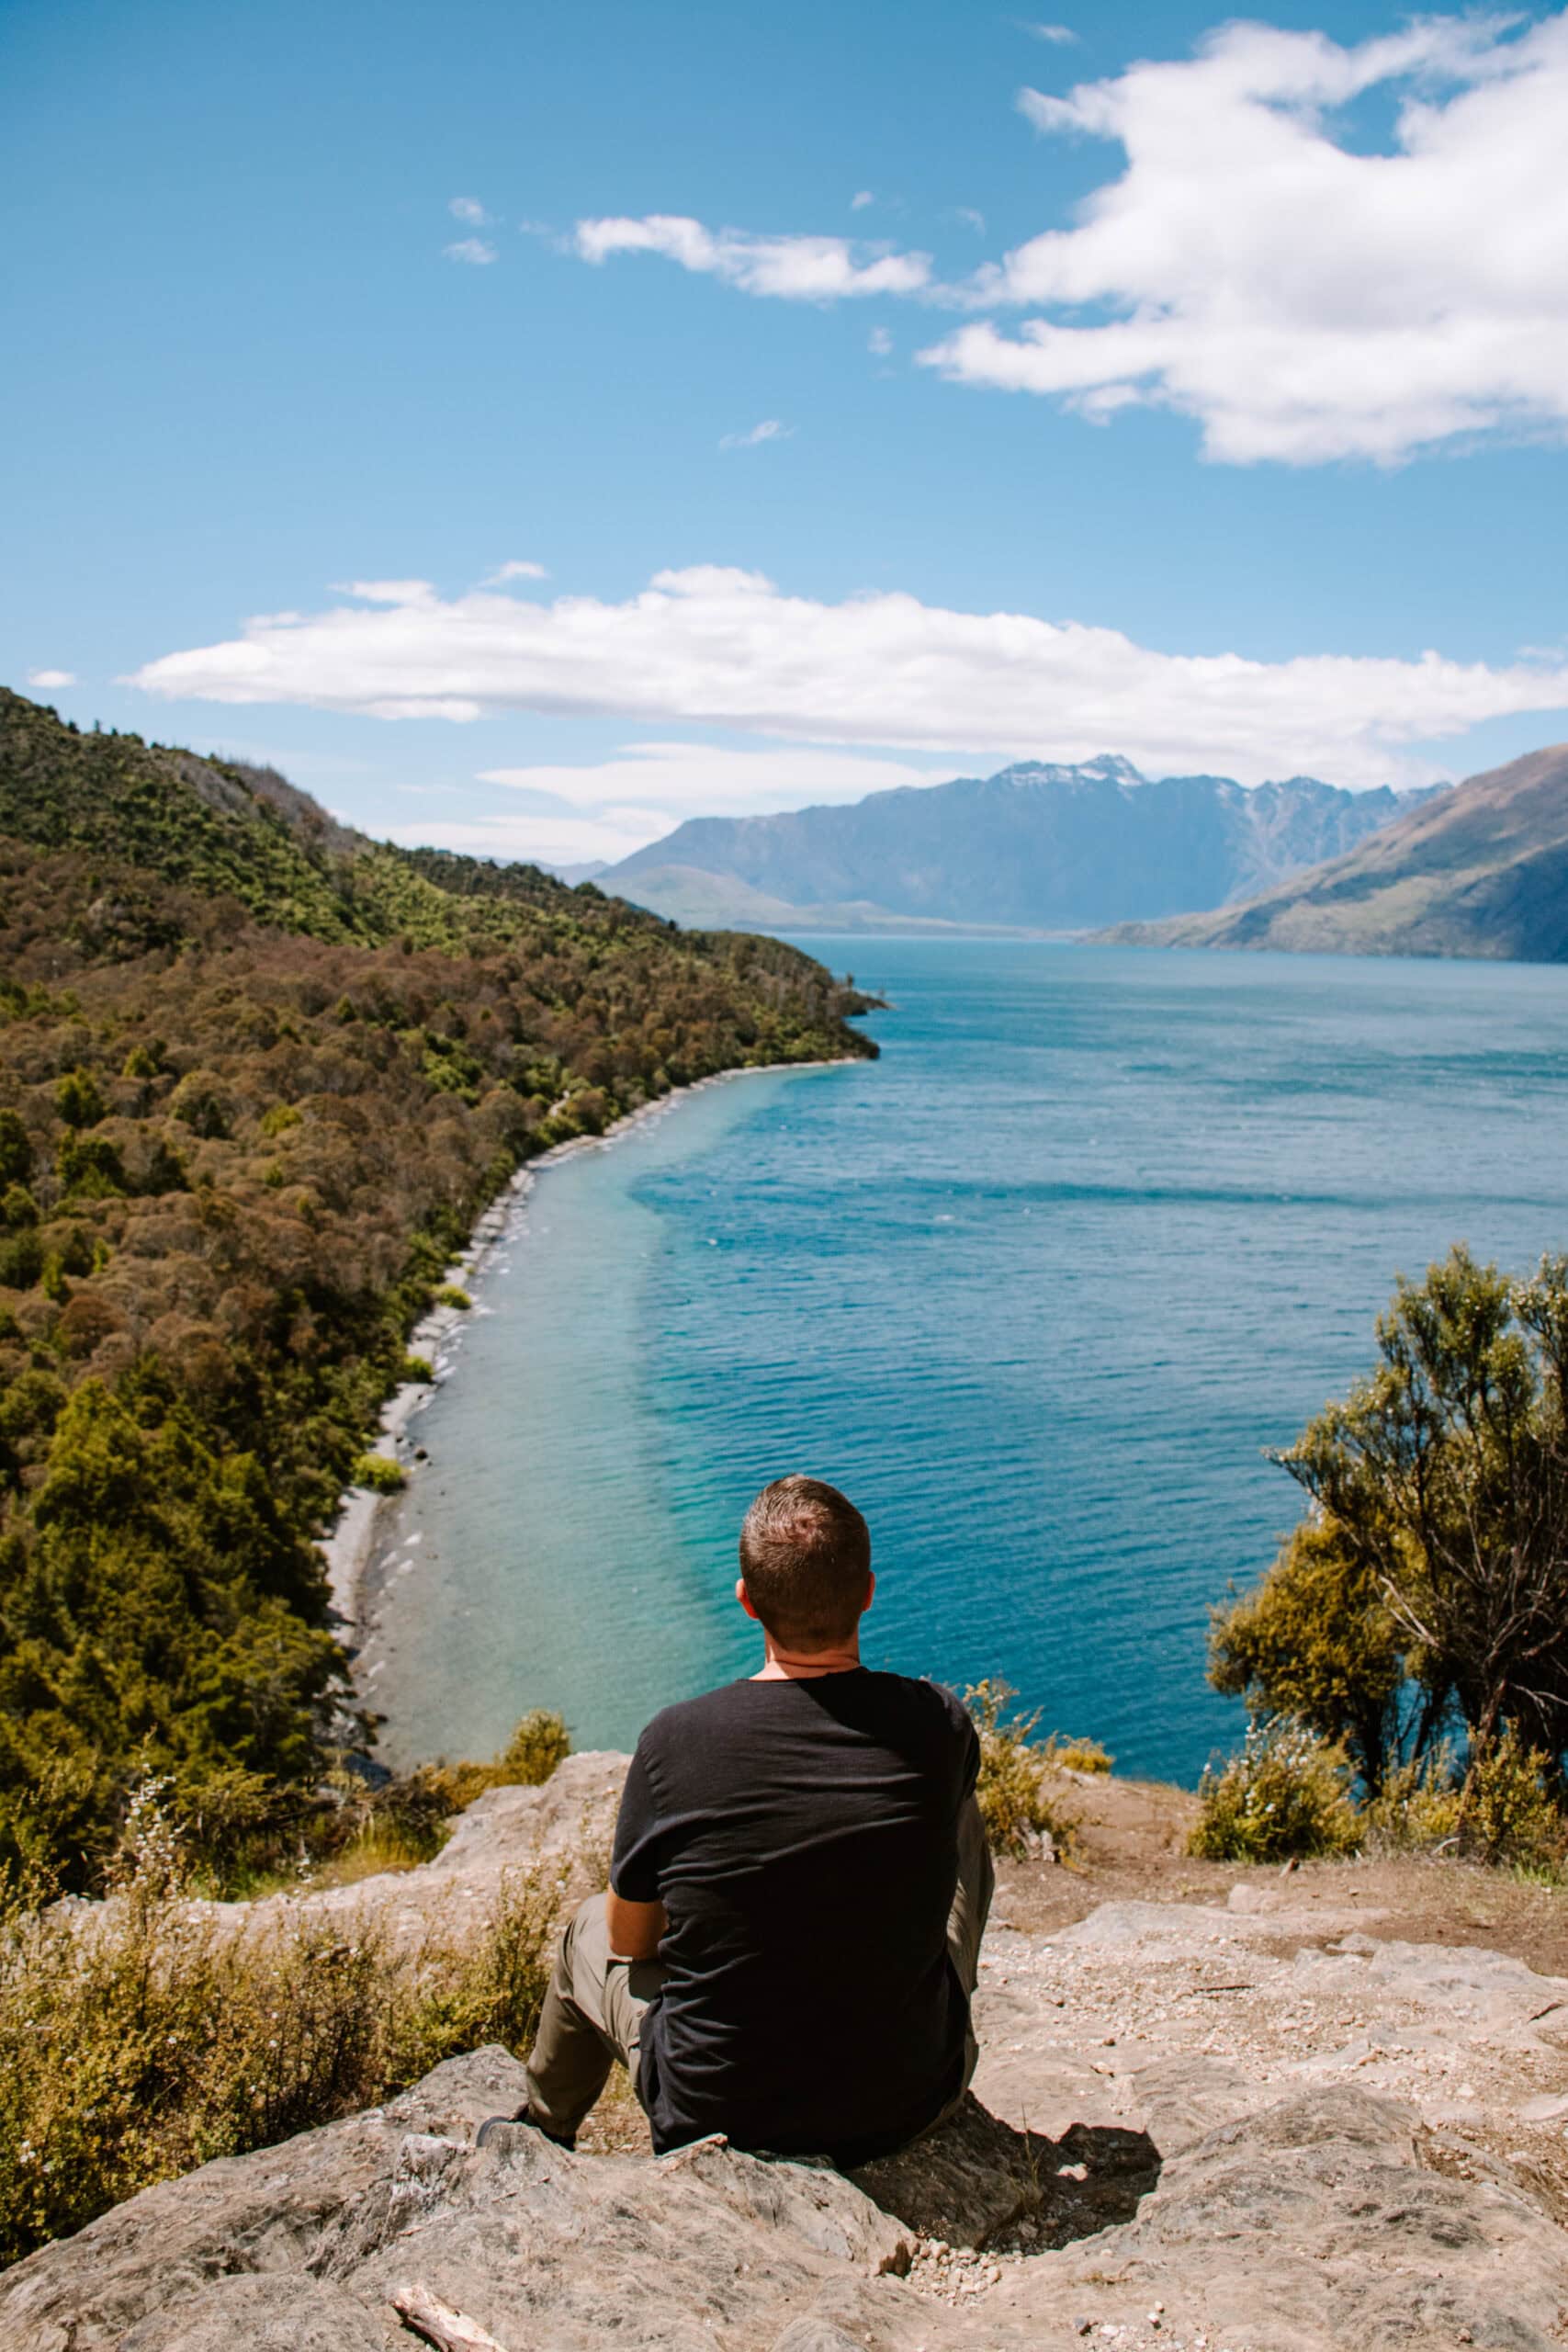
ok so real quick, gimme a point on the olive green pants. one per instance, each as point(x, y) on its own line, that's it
point(593, 2011)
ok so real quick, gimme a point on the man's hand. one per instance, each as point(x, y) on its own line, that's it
point(635, 1927)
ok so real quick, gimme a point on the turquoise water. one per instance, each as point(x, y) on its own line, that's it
point(1037, 1289)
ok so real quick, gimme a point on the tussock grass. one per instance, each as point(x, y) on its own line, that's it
point(144, 2035)
point(1015, 1769)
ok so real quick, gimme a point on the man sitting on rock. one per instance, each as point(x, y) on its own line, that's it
point(799, 1888)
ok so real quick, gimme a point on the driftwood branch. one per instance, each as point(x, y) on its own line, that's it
point(426, 2315)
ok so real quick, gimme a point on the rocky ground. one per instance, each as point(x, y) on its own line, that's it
point(1217, 2110)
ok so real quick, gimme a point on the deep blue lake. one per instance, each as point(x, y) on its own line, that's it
point(1037, 1289)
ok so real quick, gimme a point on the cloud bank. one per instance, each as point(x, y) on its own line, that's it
point(716, 645)
point(1259, 265)
point(608, 808)
point(1300, 300)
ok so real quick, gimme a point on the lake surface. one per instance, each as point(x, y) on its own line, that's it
point(1037, 1289)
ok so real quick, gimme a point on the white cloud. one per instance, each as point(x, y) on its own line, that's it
point(970, 218)
point(1302, 299)
point(515, 570)
point(1057, 35)
point(665, 782)
point(797, 269)
point(1252, 266)
point(469, 208)
point(880, 342)
point(378, 592)
point(714, 646)
point(51, 677)
point(608, 808)
point(770, 429)
point(476, 251)
point(862, 197)
point(544, 840)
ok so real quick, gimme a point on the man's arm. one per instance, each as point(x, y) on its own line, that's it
point(635, 1927)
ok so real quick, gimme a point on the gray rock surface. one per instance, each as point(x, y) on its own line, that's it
point(564, 1826)
point(1249, 2129)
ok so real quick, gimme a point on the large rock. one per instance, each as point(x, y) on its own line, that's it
point(565, 1826)
point(1237, 2129)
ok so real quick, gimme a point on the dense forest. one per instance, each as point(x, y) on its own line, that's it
point(257, 1075)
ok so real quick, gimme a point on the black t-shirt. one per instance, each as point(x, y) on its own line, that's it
point(802, 1838)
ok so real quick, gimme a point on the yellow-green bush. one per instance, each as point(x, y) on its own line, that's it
point(1508, 1810)
point(1014, 1768)
point(145, 2037)
point(380, 1473)
point(1078, 1755)
point(1419, 1806)
point(537, 1745)
point(1287, 1794)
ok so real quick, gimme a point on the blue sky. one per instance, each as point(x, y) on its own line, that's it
point(1192, 392)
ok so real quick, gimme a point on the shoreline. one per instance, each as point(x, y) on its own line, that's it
point(346, 1550)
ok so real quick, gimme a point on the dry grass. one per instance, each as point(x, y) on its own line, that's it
point(141, 2036)
point(1015, 1770)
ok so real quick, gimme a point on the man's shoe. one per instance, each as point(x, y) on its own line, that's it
point(494, 2126)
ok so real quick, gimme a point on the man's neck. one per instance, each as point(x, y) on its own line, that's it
point(797, 1666)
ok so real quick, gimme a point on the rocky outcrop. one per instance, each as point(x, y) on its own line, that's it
point(1255, 2128)
point(565, 1827)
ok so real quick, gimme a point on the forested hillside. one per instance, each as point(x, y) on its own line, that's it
point(257, 1074)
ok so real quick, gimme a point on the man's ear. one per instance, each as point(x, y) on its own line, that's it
point(870, 1590)
point(744, 1598)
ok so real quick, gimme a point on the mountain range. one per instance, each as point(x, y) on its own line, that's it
point(1481, 870)
point(1039, 847)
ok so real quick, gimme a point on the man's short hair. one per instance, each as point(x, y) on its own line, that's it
point(806, 1555)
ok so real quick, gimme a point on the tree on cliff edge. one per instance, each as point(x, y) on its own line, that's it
point(1430, 1583)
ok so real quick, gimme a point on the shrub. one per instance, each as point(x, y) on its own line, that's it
point(16, 1149)
point(1078, 1755)
point(18, 1208)
point(1419, 1805)
point(147, 2037)
point(90, 1167)
point(453, 1295)
point(1286, 1793)
point(203, 1102)
point(539, 1743)
point(1013, 1773)
point(21, 1259)
point(78, 1100)
point(1507, 1810)
point(419, 1369)
point(380, 1473)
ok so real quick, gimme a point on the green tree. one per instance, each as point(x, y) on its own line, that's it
point(16, 1149)
point(1317, 1641)
point(1436, 1559)
point(78, 1100)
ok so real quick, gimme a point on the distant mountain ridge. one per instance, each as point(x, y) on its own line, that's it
point(1481, 871)
point(1039, 846)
